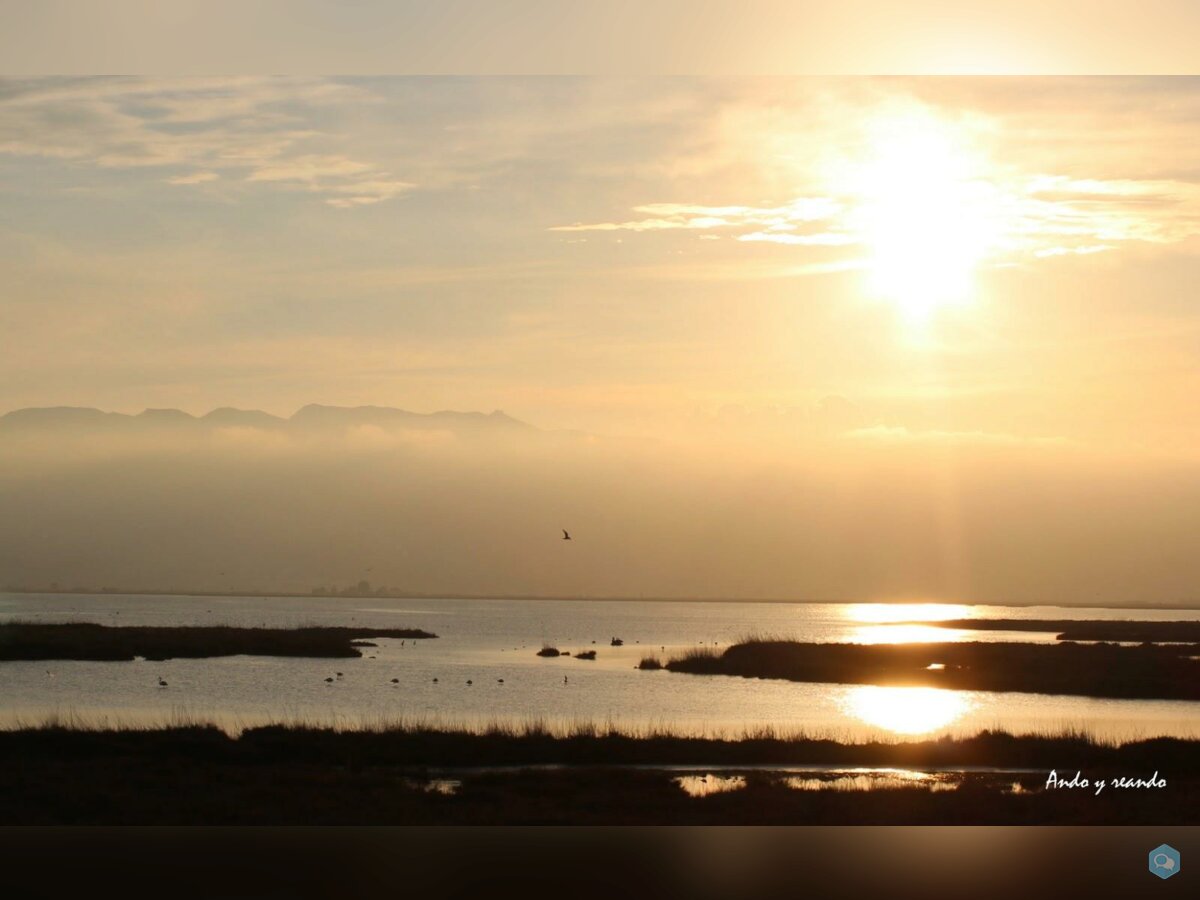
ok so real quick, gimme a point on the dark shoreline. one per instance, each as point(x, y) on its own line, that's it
point(298, 775)
point(88, 641)
point(1144, 672)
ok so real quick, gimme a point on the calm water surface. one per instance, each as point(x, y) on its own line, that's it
point(488, 640)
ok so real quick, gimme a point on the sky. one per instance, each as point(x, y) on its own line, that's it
point(890, 271)
point(667, 37)
point(602, 253)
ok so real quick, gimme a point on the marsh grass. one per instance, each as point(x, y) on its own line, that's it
point(1146, 671)
point(745, 743)
point(20, 640)
point(69, 770)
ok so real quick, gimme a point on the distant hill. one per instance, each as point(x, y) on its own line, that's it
point(317, 416)
point(311, 418)
point(60, 417)
point(228, 417)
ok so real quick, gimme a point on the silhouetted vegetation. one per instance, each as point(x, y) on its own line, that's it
point(698, 655)
point(586, 654)
point(650, 662)
point(1089, 630)
point(1090, 670)
point(291, 775)
point(549, 651)
point(86, 641)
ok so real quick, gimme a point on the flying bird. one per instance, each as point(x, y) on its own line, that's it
point(566, 535)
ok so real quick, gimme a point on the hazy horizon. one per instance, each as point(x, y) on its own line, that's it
point(474, 504)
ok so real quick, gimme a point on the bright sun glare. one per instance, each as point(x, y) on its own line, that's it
point(906, 710)
point(925, 212)
point(902, 623)
point(881, 613)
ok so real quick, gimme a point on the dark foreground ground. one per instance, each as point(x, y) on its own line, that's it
point(1146, 671)
point(85, 641)
point(281, 776)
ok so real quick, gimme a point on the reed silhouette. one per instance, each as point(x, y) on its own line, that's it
point(286, 774)
point(86, 641)
point(1092, 670)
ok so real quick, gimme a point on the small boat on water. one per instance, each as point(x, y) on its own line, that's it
point(616, 642)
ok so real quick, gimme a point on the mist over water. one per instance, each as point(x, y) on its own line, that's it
point(475, 504)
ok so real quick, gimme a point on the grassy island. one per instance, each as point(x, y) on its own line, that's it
point(86, 641)
point(1089, 670)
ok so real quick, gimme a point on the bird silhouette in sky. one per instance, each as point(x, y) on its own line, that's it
point(566, 535)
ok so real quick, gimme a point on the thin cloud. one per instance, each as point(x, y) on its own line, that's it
point(671, 216)
point(253, 132)
point(1057, 215)
point(308, 169)
point(353, 183)
point(194, 178)
point(1041, 216)
point(1077, 251)
point(818, 239)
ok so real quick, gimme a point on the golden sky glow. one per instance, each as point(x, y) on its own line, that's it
point(436, 242)
point(916, 337)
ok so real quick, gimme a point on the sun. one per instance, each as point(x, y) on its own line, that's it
point(925, 210)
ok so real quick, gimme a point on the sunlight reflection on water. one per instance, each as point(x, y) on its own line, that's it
point(703, 785)
point(874, 779)
point(884, 613)
point(483, 670)
point(907, 634)
point(859, 779)
point(906, 710)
